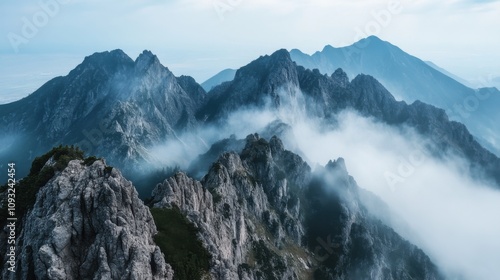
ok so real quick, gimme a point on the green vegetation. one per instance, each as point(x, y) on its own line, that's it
point(108, 169)
point(177, 238)
point(88, 161)
point(39, 175)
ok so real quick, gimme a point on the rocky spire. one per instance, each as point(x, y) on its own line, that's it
point(88, 223)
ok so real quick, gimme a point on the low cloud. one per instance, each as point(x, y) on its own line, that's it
point(434, 201)
point(188, 146)
point(438, 204)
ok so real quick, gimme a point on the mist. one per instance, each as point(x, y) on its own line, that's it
point(434, 202)
point(189, 145)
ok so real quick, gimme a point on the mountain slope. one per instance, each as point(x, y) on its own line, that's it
point(225, 75)
point(449, 74)
point(410, 79)
point(264, 215)
point(118, 108)
point(108, 105)
point(277, 84)
point(86, 222)
point(259, 214)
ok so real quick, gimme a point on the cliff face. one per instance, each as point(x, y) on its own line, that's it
point(109, 105)
point(238, 207)
point(411, 79)
point(121, 109)
point(257, 214)
point(262, 214)
point(88, 223)
point(277, 84)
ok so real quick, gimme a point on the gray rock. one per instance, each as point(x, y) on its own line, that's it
point(237, 207)
point(261, 213)
point(88, 223)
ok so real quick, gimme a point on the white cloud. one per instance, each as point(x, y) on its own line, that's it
point(435, 203)
point(451, 216)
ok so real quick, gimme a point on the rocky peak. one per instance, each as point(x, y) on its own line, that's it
point(338, 164)
point(327, 48)
point(88, 223)
point(340, 78)
point(147, 60)
point(238, 200)
point(262, 215)
point(108, 62)
point(193, 89)
point(374, 39)
point(371, 97)
point(273, 70)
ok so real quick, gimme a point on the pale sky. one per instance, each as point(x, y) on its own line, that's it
point(202, 37)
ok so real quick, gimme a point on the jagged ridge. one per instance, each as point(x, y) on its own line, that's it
point(262, 212)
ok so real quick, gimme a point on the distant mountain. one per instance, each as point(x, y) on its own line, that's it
point(258, 211)
point(276, 82)
point(223, 76)
point(409, 78)
point(449, 74)
point(109, 105)
point(265, 202)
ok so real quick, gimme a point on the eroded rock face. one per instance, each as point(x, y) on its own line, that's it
point(238, 207)
point(88, 223)
point(263, 214)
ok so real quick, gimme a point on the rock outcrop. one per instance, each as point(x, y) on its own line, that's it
point(275, 83)
point(110, 106)
point(121, 109)
point(88, 223)
point(238, 207)
point(262, 214)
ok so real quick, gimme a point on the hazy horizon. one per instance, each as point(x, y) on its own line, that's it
point(201, 38)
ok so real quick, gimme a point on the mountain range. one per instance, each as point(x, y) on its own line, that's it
point(409, 79)
point(258, 214)
point(248, 207)
point(117, 108)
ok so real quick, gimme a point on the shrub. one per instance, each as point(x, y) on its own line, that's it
point(177, 239)
point(39, 175)
point(90, 160)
